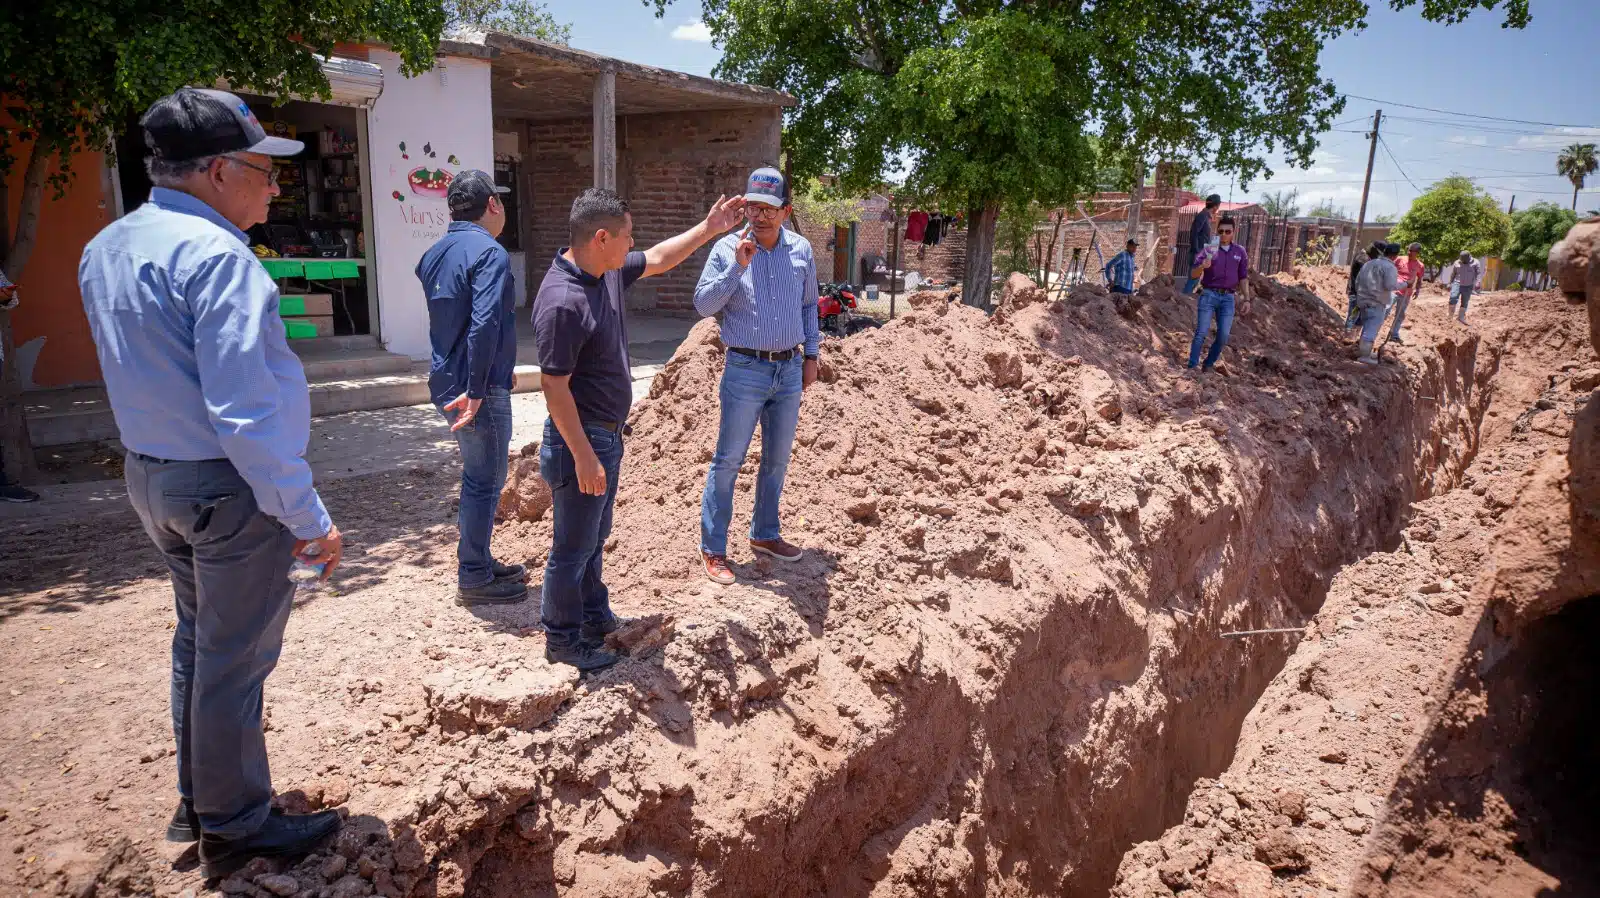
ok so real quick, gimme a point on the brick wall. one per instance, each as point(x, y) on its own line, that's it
point(670, 168)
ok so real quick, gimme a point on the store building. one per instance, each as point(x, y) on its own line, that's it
point(366, 198)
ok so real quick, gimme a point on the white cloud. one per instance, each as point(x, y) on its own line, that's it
point(692, 31)
point(1321, 170)
point(1476, 140)
point(1558, 137)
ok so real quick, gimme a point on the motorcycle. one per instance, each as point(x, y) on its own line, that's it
point(834, 312)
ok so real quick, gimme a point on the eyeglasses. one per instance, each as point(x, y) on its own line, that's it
point(1228, 231)
point(270, 172)
point(758, 211)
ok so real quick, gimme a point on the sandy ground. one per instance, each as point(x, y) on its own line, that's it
point(997, 669)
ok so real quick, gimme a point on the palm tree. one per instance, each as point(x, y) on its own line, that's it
point(1576, 163)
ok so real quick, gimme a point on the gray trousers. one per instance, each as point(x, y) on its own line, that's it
point(230, 576)
point(1401, 303)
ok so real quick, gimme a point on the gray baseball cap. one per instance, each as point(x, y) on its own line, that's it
point(766, 185)
point(195, 122)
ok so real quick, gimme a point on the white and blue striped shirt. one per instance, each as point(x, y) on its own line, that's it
point(1119, 271)
point(769, 305)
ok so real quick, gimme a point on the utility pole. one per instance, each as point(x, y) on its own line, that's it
point(1513, 204)
point(1372, 155)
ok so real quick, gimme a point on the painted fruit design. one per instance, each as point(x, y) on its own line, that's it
point(429, 181)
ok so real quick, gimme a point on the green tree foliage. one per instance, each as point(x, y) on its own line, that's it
point(72, 71)
point(1281, 204)
point(1454, 215)
point(817, 205)
point(1386, 218)
point(1533, 231)
point(521, 17)
point(1326, 209)
point(992, 104)
point(1576, 163)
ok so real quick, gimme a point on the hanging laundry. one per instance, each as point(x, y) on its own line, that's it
point(916, 225)
point(932, 234)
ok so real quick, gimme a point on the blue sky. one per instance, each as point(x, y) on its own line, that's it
point(1537, 74)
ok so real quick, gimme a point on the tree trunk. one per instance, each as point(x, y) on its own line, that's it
point(981, 221)
point(1135, 205)
point(1575, 187)
point(16, 447)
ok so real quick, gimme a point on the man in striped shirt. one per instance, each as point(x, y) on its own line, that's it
point(763, 281)
point(1119, 271)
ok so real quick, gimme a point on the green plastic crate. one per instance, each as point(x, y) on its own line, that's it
point(283, 268)
point(300, 330)
point(345, 269)
point(291, 305)
point(319, 271)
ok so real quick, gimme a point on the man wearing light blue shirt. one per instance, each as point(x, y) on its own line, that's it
point(213, 408)
point(763, 282)
point(1120, 270)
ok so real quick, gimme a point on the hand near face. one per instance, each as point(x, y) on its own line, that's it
point(725, 213)
point(746, 249)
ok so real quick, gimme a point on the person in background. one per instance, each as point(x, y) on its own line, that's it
point(1200, 237)
point(213, 408)
point(581, 332)
point(763, 282)
point(1374, 291)
point(466, 278)
point(1224, 273)
point(10, 492)
point(1463, 280)
point(1411, 273)
point(1120, 270)
point(1350, 316)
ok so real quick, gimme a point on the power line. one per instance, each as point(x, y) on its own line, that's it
point(1390, 154)
point(1492, 118)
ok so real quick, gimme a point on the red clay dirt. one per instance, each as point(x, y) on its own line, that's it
point(1407, 747)
point(997, 669)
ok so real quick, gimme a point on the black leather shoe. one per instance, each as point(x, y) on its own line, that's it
point(584, 656)
point(282, 835)
point(185, 825)
point(598, 633)
point(508, 571)
point(495, 592)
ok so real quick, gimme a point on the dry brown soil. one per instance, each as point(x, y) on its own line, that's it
point(998, 668)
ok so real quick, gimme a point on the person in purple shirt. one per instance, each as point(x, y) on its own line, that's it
point(1224, 275)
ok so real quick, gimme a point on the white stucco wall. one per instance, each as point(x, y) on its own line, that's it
point(447, 111)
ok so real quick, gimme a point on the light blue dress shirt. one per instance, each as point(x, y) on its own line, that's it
point(771, 304)
point(194, 355)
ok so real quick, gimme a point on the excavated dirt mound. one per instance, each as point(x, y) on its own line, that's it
point(1422, 740)
point(998, 666)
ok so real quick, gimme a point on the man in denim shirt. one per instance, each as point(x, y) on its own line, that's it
point(472, 326)
point(213, 408)
point(763, 282)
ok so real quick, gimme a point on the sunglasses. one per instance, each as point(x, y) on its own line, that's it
point(1228, 231)
point(270, 172)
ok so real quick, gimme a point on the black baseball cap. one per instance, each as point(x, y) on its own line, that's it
point(194, 122)
point(1214, 200)
point(1391, 249)
point(470, 191)
point(1132, 242)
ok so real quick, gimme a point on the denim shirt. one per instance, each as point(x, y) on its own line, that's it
point(194, 355)
point(472, 321)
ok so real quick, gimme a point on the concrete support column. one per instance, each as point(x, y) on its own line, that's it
point(605, 130)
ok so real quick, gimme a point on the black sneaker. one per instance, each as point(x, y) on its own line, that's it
point(10, 492)
point(282, 835)
point(508, 571)
point(585, 656)
point(598, 632)
point(495, 592)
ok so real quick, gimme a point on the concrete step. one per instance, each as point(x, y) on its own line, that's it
point(336, 365)
point(83, 415)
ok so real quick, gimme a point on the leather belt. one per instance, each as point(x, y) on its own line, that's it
point(620, 427)
point(781, 355)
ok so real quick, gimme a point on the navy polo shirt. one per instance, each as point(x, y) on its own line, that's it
point(581, 331)
point(472, 318)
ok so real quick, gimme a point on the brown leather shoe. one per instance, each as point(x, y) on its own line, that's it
point(777, 548)
point(717, 568)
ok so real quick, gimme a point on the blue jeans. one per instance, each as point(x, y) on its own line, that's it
point(1220, 305)
point(1462, 294)
point(574, 593)
point(752, 391)
point(1371, 320)
point(1401, 303)
point(485, 447)
point(1189, 285)
point(229, 564)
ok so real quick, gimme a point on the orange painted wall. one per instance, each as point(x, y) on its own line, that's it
point(51, 305)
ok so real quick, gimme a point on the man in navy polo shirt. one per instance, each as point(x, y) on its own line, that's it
point(472, 325)
point(581, 333)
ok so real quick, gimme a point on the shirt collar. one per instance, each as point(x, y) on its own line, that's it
point(458, 226)
point(785, 238)
point(178, 201)
point(573, 271)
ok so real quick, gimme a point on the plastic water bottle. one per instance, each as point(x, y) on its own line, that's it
point(307, 576)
